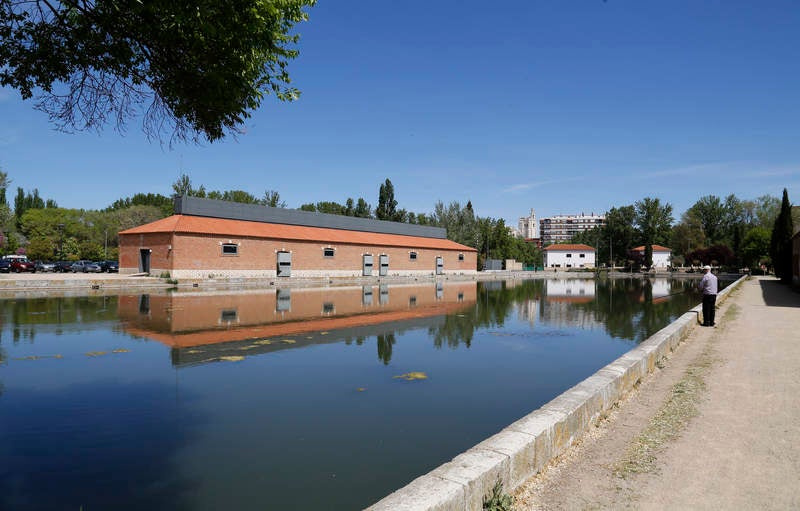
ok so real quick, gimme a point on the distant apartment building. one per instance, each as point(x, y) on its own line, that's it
point(561, 228)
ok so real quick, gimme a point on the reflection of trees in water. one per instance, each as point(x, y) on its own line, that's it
point(24, 316)
point(627, 309)
point(385, 343)
point(495, 301)
point(359, 340)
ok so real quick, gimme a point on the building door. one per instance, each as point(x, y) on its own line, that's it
point(367, 265)
point(283, 300)
point(284, 264)
point(384, 269)
point(144, 260)
point(439, 265)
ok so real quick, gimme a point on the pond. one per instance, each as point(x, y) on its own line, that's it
point(284, 399)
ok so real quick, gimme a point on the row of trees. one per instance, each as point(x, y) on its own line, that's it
point(41, 230)
point(728, 232)
point(725, 231)
point(647, 222)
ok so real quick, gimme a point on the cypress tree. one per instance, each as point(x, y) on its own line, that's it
point(781, 241)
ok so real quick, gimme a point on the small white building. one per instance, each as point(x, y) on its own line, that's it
point(569, 256)
point(662, 256)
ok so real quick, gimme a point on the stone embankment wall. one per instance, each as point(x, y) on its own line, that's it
point(524, 448)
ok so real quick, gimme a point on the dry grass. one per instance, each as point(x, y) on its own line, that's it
point(674, 415)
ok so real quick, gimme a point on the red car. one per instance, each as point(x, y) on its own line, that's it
point(20, 265)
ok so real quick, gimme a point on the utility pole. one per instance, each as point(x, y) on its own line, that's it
point(61, 242)
point(610, 250)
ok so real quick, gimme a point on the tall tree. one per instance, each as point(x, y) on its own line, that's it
point(781, 240)
point(4, 182)
point(765, 210)
point(755, 246)
point(197, 68)
point(709, 212)
point(163, 202)
point(363, 209)
point(654, 222)
point(183, 187)
point(387, 205)
point(620, 231)
point(686, 237)
point(273, 199)
point(239, 196)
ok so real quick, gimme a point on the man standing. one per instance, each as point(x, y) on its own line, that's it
point(708, 285)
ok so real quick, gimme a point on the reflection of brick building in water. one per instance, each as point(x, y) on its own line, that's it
point(205, 326)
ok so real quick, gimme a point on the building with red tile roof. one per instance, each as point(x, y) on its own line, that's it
point(208, 238)
point(564, 255)
point(662, 256)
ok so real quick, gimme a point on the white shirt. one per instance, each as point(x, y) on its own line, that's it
point(708, 284)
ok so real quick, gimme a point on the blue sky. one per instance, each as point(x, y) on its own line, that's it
point(564, 107)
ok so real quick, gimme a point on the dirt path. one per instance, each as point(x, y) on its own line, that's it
point(718, 427)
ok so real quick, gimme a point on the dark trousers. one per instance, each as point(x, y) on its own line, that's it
point(708, 309)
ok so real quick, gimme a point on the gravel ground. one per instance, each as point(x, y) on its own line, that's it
point(717, 427)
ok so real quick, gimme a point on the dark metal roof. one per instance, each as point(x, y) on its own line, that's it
point(195, 206)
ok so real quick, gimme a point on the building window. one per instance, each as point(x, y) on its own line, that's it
point(460, 257)
point(328, 308)
point(582, 255)
point(569, 255)
point(230, 249)
point(327, 252)
point(412, 256)
point(228, 315)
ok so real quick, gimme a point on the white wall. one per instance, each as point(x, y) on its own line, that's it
point(569, 258)
point(661, 259)
point(570, 287)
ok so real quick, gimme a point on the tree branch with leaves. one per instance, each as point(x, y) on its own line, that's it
point(196, 69)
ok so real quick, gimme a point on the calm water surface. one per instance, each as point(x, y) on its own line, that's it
point(289, 399)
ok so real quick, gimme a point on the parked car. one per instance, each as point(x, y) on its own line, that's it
point(85, 267)
point(44, 266)
point(63, 266)
point(109, 266)
point(20, 265)
point(5, 266)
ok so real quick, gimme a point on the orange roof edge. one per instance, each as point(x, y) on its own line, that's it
point(656, 248)
point(188, 224)
point(567, 246)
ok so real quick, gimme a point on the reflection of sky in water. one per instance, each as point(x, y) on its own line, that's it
point(139, 429)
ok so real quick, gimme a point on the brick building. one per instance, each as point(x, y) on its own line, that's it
point(224, 239)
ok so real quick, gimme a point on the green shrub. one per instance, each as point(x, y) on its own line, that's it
point(497, 500)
